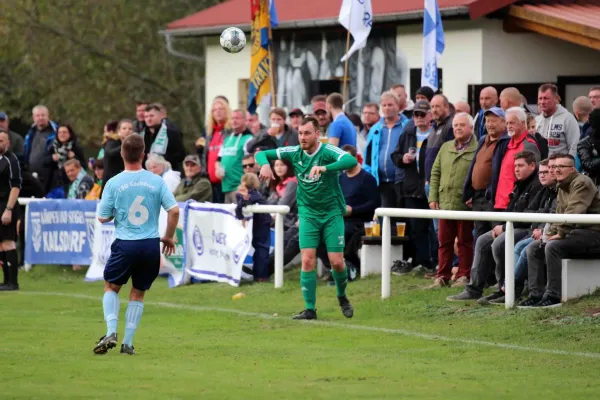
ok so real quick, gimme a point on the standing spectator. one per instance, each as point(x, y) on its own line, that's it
point(162, 137)
point(320, 111)
point(113, 162)
point(229, 163)
point(139, 124)
point(370, 116)
point(588, 149)
point(526, 187)
point(218, 125)
point(555, 124)
point(283, 191)
point(424, 93)
point(341, 131)
point(64, 148)
point(296, 116)
point(462, 106)
point(509, 98)
point(577, 194)
point(94, 194)
point(488, 98)
point(195, 186)
point(404, 103)
point(442, 125)
point(248, 194)
point(10, 186)
point(383, 139)
point(110, 133)
point(81, 183)
point(477, 192)
point(410, 156)
point(254, 124)
point(17, 144)
point(278, 135)
point(595, 96)
point(38, 144)
point(582, 108)
point(447, 176)
point(161, 167)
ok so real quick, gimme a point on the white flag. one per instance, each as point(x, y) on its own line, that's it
point(357, 17)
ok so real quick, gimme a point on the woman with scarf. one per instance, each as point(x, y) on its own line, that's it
point(113, 163)
point(588, 149)
point(64, 148)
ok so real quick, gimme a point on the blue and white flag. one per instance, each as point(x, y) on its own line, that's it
point(357, 17)
point(433, 44)
point(273, 14)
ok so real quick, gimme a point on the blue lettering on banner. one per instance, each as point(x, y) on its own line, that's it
point(60, 232)
point(197, 239)
point(219, 238)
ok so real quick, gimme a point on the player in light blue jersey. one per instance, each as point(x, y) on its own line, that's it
point(133, 199)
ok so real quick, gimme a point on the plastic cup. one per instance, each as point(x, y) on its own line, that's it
point(400, 228)
point(368, 229)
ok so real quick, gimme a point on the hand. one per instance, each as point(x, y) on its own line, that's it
point(434, 205)
point(200, 142)
point(168, 245)
point(408, 158)
point(266, 173)
point(316, 171)
point(537, 234)
point(553, 237)
point(243, 190)
point(297, 223)
point(273, 130)
point(348, 210)
point(469, 203)
point(497, 231)
point(6, 217)
point(55, 156)
point(244, 223)
point(70, 154)
point(219, 171)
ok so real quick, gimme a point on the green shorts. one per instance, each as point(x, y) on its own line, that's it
point(328, 230)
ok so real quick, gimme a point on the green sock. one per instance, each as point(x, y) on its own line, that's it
point(308, 281)
point(341, 281)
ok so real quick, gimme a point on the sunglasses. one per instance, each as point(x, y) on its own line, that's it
point(244, 166)
point(419, 115)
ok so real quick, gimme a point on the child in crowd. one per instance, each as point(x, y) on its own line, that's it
point(248, 194)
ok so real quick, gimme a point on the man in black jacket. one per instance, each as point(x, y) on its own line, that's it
point(162, 137)
point(526, 187)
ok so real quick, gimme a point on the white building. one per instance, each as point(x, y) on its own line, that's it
point(488, 42)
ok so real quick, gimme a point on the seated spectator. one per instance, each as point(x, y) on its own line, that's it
point(261, 225)
point(283, 191)
point(81, 183)
point(161, 167)
point(525, 189)
point(577, 194)
point(279, 134)
point(94, 194)
point(588, 149)
point(196, 185)
point(449, 172)
point(113, 162)
point(17, 143)
point(64, 148)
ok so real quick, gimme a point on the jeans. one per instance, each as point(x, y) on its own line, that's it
point(521, 265)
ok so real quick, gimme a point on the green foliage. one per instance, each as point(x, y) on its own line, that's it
point(89, 60)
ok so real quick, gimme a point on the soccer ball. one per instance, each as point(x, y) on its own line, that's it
point(233, 40)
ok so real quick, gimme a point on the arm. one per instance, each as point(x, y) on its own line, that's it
point(112, 148)
point(344, 162)
point(107, 204)
point(15, 188)
point(334, 141)
point(434, 183)
point(263, 157)
point(398, 154)
point(334, 134)
point(589, 163)
point(572, 134)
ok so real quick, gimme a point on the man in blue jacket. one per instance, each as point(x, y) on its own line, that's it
point(38, 145)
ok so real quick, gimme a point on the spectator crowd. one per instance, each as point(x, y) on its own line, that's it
point(422, 153)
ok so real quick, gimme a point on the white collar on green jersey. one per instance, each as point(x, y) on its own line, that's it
point(316, 151)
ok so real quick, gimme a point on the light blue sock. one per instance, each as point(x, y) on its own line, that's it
point(110, 304)
point(132, 319)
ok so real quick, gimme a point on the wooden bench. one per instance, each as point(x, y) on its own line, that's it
point(579, 277)
point(370, 253)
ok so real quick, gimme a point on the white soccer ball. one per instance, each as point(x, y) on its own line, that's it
point(233, 40)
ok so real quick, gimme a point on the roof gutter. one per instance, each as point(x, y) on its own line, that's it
point(316, 23)
point(180, 54)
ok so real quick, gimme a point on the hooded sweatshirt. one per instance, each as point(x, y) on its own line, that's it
point(560, 129)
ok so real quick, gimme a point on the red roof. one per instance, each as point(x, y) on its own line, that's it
point(309, 12)
point(582, 13)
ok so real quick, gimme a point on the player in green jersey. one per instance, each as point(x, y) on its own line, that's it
point(321, 208)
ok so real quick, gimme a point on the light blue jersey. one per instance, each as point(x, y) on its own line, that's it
point(134, 198)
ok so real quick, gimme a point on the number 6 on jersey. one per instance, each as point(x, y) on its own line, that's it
point(138, 214)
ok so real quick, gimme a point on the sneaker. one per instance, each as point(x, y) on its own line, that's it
point(487, 299)
point(549, 302)
point(346, 307)
point(9, 287)
point(105, 344)
point(530, 302)
point(421, 269)
point(460, 282)
point(500, 301)
point(306, 314)
point(464, 296)
point(127, 349)
point(438, 283)
point(401, 267)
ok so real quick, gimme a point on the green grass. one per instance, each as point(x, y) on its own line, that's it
point(195, 352)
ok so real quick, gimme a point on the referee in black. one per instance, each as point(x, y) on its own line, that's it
point(10, 186)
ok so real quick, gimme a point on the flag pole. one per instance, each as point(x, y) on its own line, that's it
point(271, 67)
point(346, 64)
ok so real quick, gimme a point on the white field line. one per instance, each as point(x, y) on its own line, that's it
point(328, 324)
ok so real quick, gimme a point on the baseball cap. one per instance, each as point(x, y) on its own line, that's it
point(496, 111)
point(422, 106)
point(3, 116)
point(296, 111)
point(319, 106)
point(193, 159)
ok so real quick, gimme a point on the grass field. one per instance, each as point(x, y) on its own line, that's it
point(196, 342)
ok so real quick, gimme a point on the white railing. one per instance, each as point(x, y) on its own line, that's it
point(279, 212)
point(507, 217)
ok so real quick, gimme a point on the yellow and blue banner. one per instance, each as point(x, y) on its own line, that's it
point(262, 14)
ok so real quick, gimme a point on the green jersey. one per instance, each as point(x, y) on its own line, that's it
point(232, 153)
point(321, 196)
